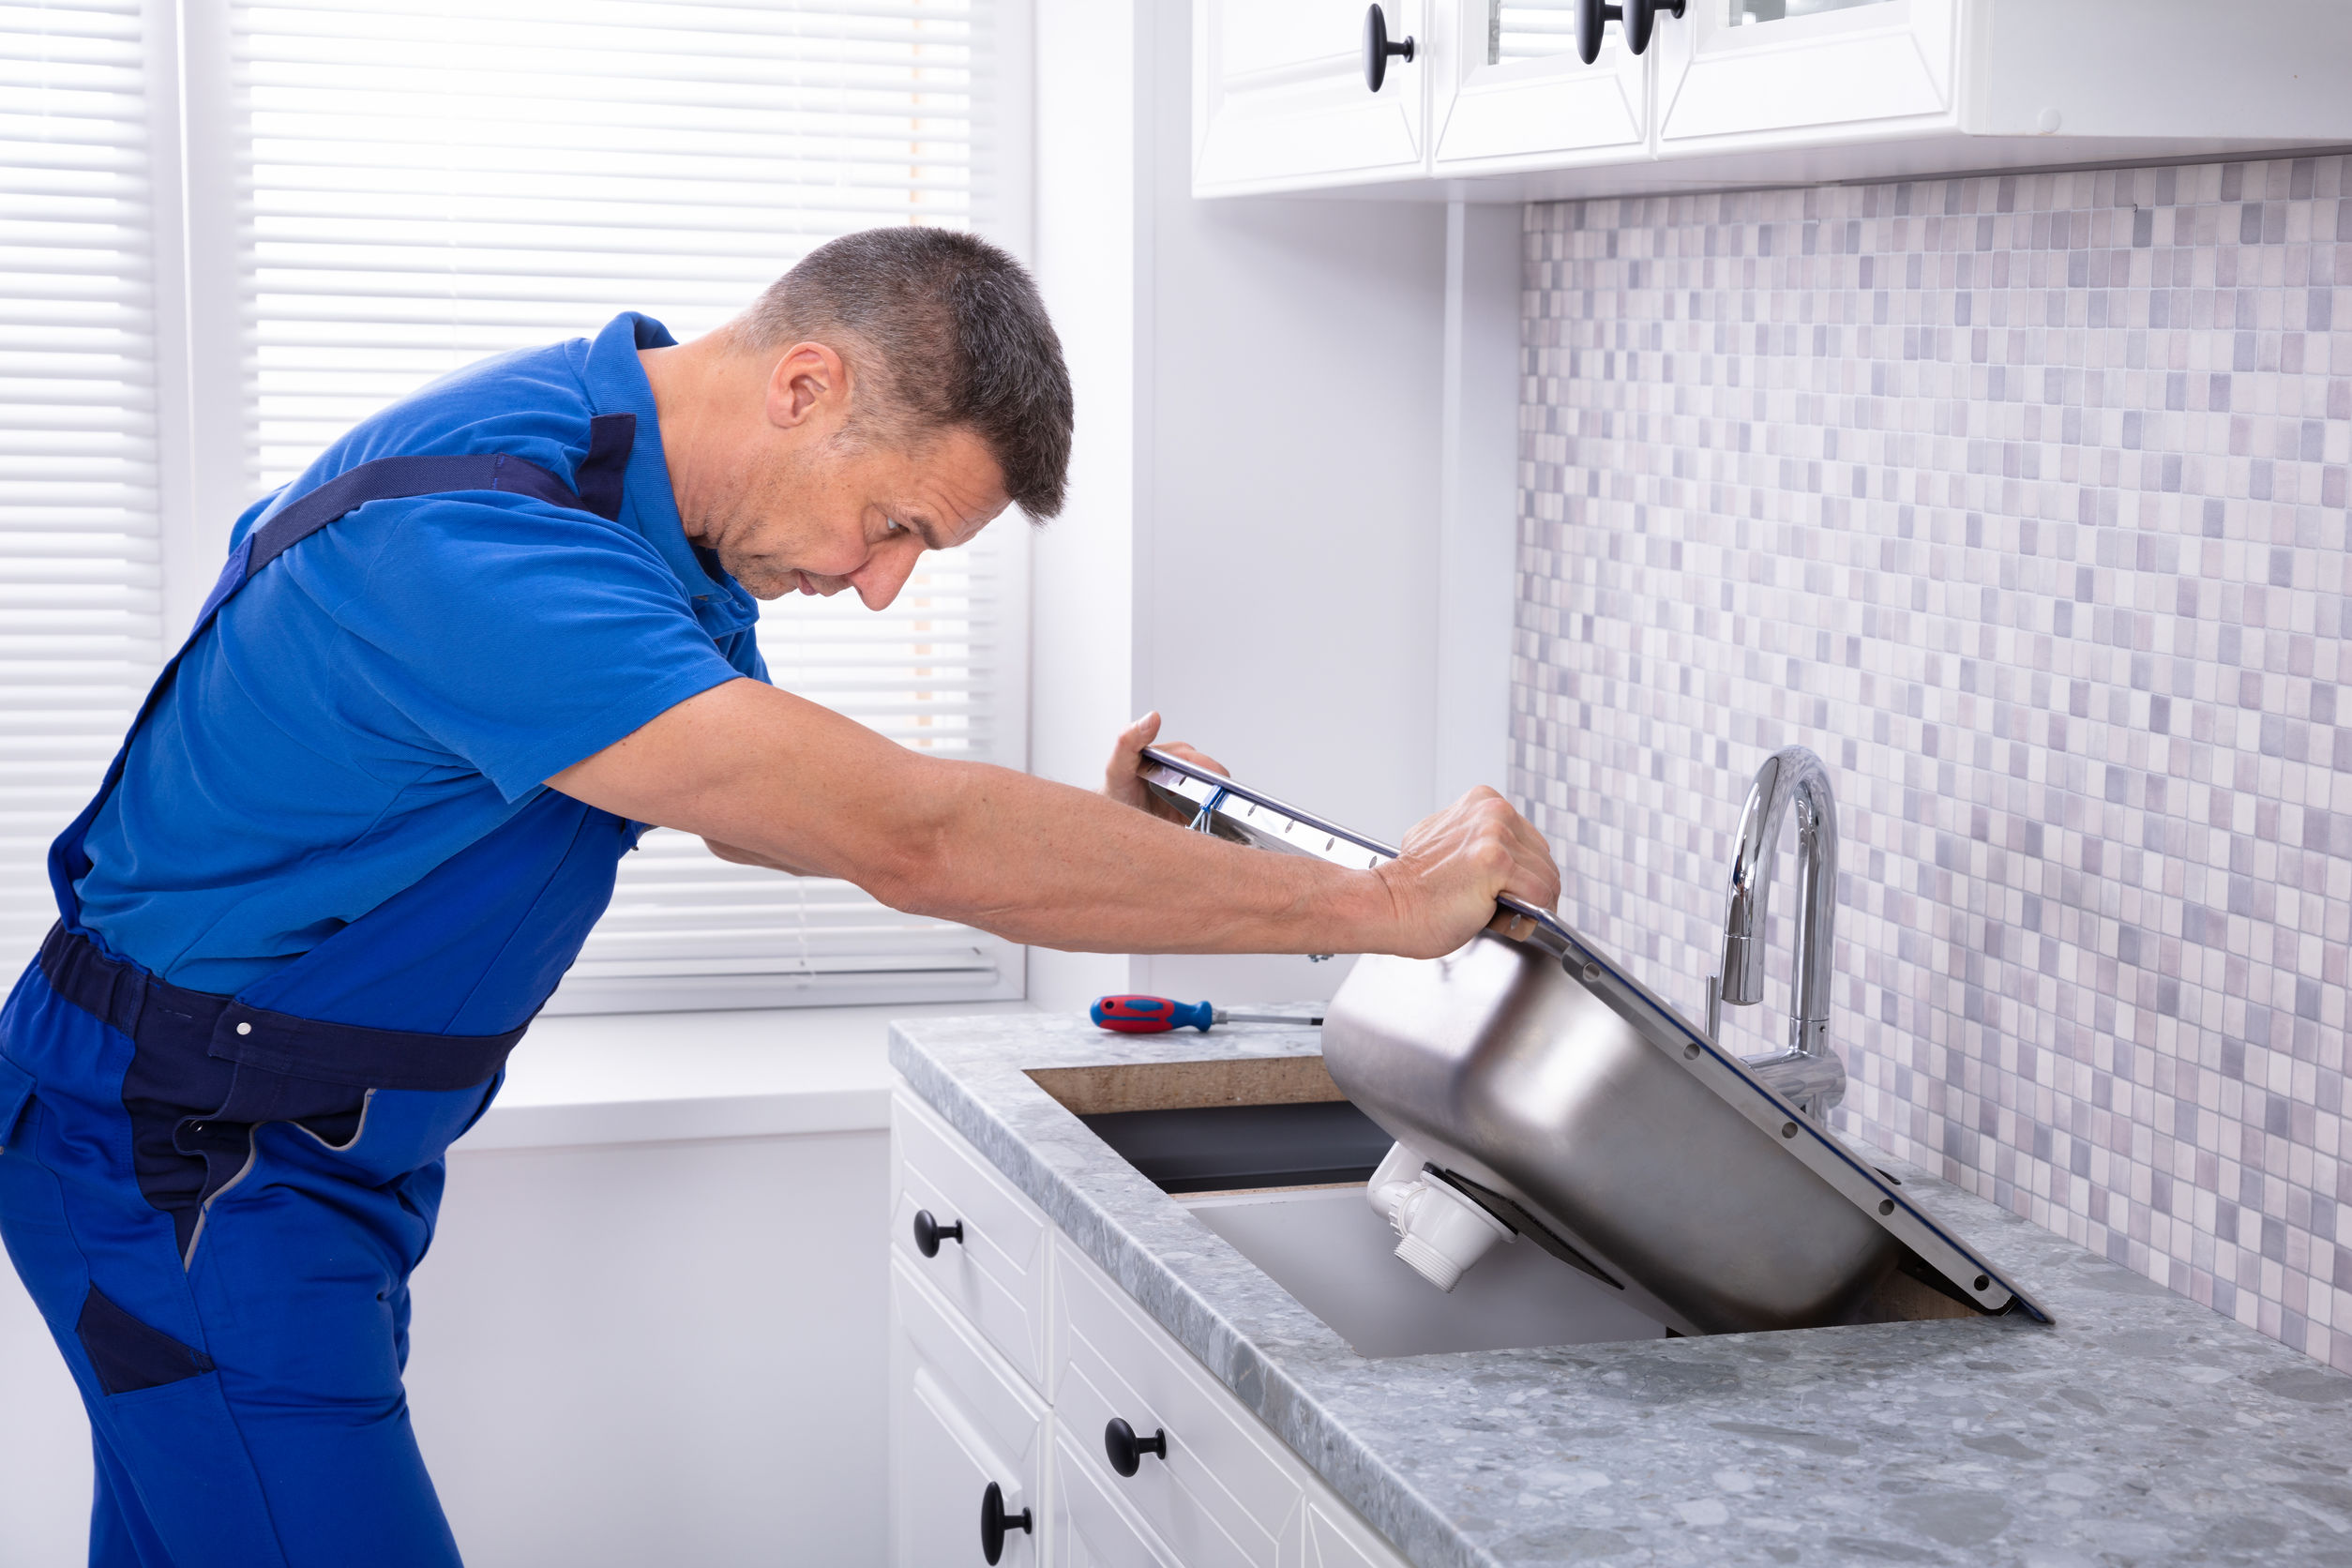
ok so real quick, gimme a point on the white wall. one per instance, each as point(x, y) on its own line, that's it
point(1273, 454)
point(666, 1352)
point(1081, 566)
point(621, 1355)
point(1478, 502)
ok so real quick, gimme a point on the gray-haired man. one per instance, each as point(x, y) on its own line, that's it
point(375, 803)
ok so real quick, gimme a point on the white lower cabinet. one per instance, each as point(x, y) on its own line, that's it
point(1091, 1527)
point(1226, 1493)
point(961, 1421)
point(987, 1243)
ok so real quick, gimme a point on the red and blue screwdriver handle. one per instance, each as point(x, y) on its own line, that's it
point(1156, 1015)
point(1151, 1015)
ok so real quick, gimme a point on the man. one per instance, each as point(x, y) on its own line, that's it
point(370, 812)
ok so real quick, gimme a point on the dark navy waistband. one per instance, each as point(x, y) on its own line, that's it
point(160, 1016)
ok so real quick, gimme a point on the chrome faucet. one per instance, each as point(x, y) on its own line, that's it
point(1808, 1073)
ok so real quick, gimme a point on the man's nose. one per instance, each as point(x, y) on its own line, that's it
point(884, 573)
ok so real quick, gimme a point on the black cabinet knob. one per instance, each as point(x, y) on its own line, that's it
point(929, 1232)
point(1376, 49)
point(994, 1522)
point(1126, 1450)
point(1639, 17)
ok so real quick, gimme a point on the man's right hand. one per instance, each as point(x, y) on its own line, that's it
point(1456, 864)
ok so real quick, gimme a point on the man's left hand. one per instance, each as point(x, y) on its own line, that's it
point(1123, 780)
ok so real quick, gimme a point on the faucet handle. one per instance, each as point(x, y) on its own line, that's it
point(1715, 1009)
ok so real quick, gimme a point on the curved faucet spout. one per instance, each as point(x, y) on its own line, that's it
point(1791, 777)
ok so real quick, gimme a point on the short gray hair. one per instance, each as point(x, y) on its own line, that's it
point(942, 329)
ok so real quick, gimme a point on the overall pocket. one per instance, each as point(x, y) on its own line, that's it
point(16, 1092)
point(196, 1480)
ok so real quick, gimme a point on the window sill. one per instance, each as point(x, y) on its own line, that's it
point(658, 1077)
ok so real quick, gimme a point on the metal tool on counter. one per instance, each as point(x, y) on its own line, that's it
point(1157, 1015)
point(1537, 1079)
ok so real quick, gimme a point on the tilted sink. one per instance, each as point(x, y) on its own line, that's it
point(1269, 1154)
point(1535, 1089)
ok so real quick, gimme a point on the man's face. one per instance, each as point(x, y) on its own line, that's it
point(805, 498)
point(820, 515)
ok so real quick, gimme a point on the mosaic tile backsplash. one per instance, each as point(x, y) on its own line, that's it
point(2022, 501)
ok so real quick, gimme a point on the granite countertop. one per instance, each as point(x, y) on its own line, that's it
point(2141, 1430)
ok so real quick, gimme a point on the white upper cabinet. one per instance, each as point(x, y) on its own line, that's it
point(1281, 98)
point(1501, 103)
point(1744, 73)
point(1513, 92)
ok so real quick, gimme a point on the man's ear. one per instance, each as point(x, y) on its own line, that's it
point(809, 383)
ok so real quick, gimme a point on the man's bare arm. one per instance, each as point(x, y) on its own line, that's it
point(772, 780)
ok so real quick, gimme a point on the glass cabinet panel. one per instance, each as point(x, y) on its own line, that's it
point(1513, 91)
point(1529, 29)
point(1747, 13)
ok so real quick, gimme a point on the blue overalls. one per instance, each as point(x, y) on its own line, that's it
point(215, 1201)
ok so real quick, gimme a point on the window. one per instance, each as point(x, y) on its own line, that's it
point(80, 611)
point(405, 187)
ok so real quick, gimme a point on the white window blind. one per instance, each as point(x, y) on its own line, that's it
point(427, 182)
point(81, 613)
point(378, 193)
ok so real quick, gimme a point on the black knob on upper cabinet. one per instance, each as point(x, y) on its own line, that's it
point(1126, 1450)
point(1639, 17)
point(1376, 49)
point(929, 1232)
point(994, 1522)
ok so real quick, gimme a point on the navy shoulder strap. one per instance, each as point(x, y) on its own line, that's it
point(609, 439)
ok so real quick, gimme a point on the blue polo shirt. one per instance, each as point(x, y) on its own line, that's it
point(399, 683)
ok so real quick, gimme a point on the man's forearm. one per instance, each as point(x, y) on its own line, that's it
point(1038, 861)
point(772, 780)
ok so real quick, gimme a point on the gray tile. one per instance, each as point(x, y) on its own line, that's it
point(2022, 500)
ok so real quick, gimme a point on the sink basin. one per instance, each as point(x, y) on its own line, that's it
point(1550, 1094)
point(1269, 1154)
point(1338, 1258)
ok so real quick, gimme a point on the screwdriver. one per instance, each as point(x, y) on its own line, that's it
point(1156, 1015)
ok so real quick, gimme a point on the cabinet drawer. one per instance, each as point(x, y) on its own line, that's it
point(1092, 1529)
point(961, 1421)
point(1228, 1494)
point(995, 1275)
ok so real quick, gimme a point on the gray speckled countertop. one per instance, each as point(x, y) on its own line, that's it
point(2143, 1429)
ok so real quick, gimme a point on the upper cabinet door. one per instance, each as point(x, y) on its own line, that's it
point(1280, 101)
point(1752, 73)
point(1512, 93)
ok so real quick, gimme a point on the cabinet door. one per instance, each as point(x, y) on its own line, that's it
point(1280, 100)
point(994, 1273)
point(1335, 1538)
point(1511, 94)
point(961, 1421)
point(1093, 1529)
point(1225, 1494)
point(1760, 74)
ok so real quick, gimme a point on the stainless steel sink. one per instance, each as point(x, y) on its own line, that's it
point(1495, 1066)
point(1338, 1258)
point(1537, 1078)
point(1321, 1241)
